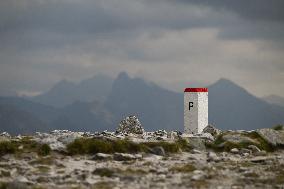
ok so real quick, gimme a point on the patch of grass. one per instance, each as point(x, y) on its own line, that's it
point(89, 146)
point(221, 145)
point(43, 150)
point(187, 168)
point(7, 147)
point(246, 164)
point(3, 185)
point(279, 179)
point(43, 169)
point(278, 127)
point(92, 146)
point(37, 187)
point(27, 145)
point(147, 163)
point(103, 185)
point(125, 146)
point(4, 173)
point(262, 144)
point(130, 171)
point(43, 161)
point(168, 147)
point(251, 174)
point(200, 184)
point(103, 172)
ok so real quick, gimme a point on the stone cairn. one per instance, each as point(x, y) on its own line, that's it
point(130, 124)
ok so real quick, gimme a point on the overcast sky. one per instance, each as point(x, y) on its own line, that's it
point(174, 43)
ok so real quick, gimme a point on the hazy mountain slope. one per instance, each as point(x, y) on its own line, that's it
point(83, 116)
point(79, 116)
point(42, 112)
point(65, 92)
point(16, 121)
point(274, 99)
point(232, 107)
point(156, 107)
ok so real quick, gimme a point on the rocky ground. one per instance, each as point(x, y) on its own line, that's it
point(214, 159)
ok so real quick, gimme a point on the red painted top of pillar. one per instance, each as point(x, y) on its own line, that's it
point(196, 90)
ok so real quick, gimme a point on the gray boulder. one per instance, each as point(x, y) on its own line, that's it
point(102, 156)
point(234, 150)
point(126, 157)
point(158, 150)
point(271, 136)
point(237, 138)
point(212, 156)
point(254, 148)
point(212, 130)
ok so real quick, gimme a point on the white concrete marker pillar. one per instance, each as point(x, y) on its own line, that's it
point(195, 110)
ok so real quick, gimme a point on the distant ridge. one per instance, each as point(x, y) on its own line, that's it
point(230, 107)
point(65, 92)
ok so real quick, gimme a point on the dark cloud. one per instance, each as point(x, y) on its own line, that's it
point(262, 10)
point(44, 41)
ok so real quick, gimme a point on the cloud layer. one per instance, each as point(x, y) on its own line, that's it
point(173, 43)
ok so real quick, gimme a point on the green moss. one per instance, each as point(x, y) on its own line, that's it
point(103, 172)
point(37, 187)
point(261, 143)
point(89, 146)
point(7, 147)
point(130, 172)
point(125, 146)
point(44, 150)
point(43, 169)
point(168, 147)
point(3, 185)
point(28, 144)
point(221, 145)
point(279, 179)
point(4, 173)
point(278, 127)
point(103, 185)
point(187, 168)
point(251, 174)
point(200, 184)
point(92, 145)
point(43, 160)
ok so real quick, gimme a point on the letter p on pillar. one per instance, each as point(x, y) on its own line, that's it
point(195, 110)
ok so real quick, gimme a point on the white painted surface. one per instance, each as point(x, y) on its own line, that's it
point(195, 118)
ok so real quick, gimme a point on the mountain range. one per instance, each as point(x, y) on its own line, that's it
point(99, 103)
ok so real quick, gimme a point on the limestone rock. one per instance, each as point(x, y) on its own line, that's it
point(273, 137)
point(237, 138)
point(196, 143)
point(5, 134)
point(234, 150)
point(198, 175)
point(211, 156)
point(254, 148)
point(125, 157)
point(102, 156)
point(212, 130)
point(174, 135)
point(130, 124)
point(158, 150)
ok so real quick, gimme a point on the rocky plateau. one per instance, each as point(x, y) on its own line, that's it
point(160, 159)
